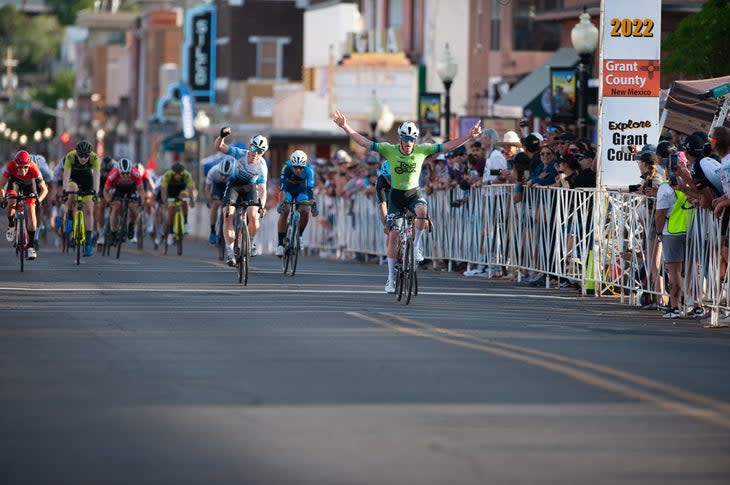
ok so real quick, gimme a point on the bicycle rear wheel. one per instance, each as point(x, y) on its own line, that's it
point(139, 227)
point(400, 272)
point(287, 247)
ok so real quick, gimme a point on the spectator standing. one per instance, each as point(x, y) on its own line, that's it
point(495, 159)
point(720, 142)
point(672, 221)
point(476, 157)
point(544, 174)
point(532, 144)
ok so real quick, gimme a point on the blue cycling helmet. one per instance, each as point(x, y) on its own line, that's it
point(385, 169)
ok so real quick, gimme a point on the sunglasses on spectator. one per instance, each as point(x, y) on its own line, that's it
point(549, 153)
point(408, 139)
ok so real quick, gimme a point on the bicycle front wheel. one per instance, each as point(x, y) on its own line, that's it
point(410, 275)
point(78, 238)
point(20, 242)
point(179, 233)
point(294, 244)
point(244, 254)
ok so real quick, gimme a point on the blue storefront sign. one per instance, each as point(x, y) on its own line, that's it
point(199, 52)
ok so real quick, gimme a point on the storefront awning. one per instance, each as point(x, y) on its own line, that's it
point(686, 112)
point(533, 92)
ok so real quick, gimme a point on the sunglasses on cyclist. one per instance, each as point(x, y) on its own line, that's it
point(408, 139)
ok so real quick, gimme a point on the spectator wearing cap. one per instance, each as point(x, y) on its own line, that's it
point(457, 164)
point(568, 169)
point(702, 179)
point(440, 178)
point(495, 159)
point(531, 144)
point(587, 176)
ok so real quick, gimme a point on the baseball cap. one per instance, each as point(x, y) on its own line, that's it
point(531, 142)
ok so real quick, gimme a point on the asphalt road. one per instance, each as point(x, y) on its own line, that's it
point(153, 369)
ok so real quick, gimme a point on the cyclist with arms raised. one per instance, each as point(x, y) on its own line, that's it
point(23, 174)
point(406, 160)
point(296, 184)
point(81, 172)
point(247, 181)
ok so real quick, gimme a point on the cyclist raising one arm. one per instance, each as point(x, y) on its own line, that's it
point(247, 181)
point(406, 160)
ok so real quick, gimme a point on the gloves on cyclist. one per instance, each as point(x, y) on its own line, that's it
point(225, 131)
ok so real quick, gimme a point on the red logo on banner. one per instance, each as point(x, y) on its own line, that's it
point(630, 78)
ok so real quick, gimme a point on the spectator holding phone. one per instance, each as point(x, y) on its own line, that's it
point(496, 161)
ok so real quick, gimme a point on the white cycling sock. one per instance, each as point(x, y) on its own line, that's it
point(230, 247)
point(417, 239)
point(391, 269)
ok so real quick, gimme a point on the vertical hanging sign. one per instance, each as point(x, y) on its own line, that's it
point(629, 89)
point(199, 51)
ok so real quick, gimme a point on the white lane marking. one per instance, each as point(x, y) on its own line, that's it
point(281, 290)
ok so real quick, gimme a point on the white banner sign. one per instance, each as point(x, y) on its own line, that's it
point(629, 90)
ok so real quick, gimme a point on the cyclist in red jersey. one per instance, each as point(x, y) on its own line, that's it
point(25, 178)
point(123, 180)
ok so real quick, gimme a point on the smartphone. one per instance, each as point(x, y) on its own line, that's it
point(495, 172)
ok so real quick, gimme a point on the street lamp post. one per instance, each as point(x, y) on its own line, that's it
point(584, 37)
point(201, 122)
point(446, 68)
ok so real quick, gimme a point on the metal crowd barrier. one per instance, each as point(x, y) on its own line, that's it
point(600, 239)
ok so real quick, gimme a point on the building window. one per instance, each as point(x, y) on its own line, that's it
point(531, 35)
point(395, 13)
point(495, 14)
point(269, 56)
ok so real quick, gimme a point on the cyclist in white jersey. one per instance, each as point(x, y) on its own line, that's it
point(406, 160)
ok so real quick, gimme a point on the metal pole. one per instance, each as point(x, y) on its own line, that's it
point(447, 106)
point(582, 96)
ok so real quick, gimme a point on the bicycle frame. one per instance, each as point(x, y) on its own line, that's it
point(242, 240)
point(22, 242)
point(79, 228)
point(178, 227)
point(291, 239)
point(406, 280)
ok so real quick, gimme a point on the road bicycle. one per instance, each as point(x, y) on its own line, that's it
point(120, 235)
point(22, 241)
point(291, 238)
point(78, 233)
point(178, 228)
point(406, 278)
point(219, 239)
point(140, 225)
point(242, 240)
point(107, 232)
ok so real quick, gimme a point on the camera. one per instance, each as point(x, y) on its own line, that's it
point(495, 172)
point(634, 187)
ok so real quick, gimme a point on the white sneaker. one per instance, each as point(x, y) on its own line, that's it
point(100, 239)
point(254, 250)
point(157, 240)
point(187, 228)
point(170, 239)
point(10, 234)
point(133, 240)
point(390, 286)
point(419, 255)
point(280, 250)
point(230, 258)
point(31, 253)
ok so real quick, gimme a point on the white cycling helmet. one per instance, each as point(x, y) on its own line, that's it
point(259, 143)
point(298, 158)
point(226, 167)
point(125, 166)
point(38, 159)
point(408, 129)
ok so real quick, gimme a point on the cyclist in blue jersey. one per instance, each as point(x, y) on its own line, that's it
point(406, 160)
point(296, 184)
point(215, 186)
point(247, 181)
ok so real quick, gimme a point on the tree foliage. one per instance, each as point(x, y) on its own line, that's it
point(35, 40)
point(699, 46)
point(66, 10)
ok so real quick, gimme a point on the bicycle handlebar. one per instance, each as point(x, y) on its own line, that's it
point(80, 193)
point(4, 202)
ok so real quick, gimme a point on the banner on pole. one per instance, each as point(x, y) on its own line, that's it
point(629, 90)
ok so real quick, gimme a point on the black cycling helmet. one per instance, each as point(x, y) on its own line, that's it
point(664, 148)
point(178, 167)
point(84, 148)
